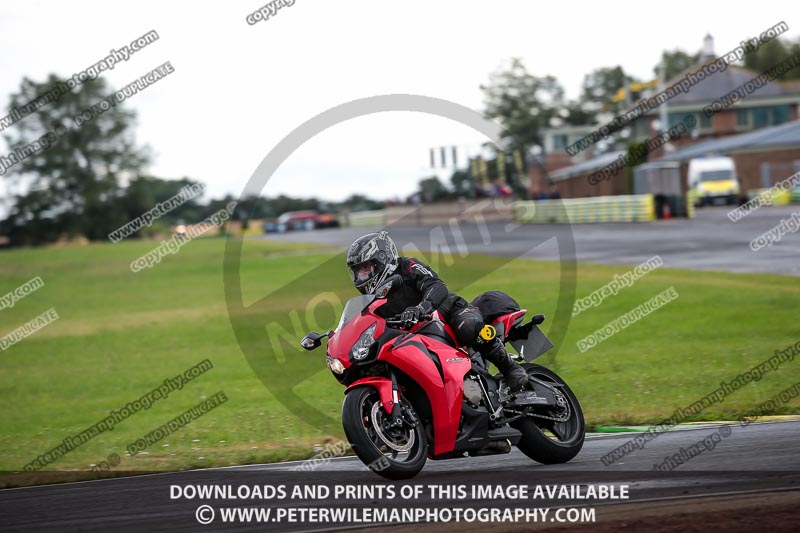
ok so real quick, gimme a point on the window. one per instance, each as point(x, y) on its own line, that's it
point(761, 117)
point(705, 122)
point(781, 114)
point(559, 142)
point(716, 175)
point(674, 118)
point(742, 118)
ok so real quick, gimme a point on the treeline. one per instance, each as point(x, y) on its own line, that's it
point(69, 178)
point(145, 193)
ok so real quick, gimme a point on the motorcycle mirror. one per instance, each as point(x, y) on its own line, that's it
point(391, 283)
point(313, 340)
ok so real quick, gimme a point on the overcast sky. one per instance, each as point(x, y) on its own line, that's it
point(238, 89)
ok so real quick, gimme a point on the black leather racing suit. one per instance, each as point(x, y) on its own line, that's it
point(422, 284)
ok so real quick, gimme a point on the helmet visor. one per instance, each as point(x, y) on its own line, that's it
point(363, 271)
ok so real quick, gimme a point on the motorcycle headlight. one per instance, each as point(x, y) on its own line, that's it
point(335, 365)
point(360, 349)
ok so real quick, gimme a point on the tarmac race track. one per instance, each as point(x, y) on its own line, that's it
point(749, 480)
point(710, 241)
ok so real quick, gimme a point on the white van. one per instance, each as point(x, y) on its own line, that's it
point(713, 180)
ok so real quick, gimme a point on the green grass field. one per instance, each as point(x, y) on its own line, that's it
point(120, 334)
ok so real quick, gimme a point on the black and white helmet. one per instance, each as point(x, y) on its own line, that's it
point(370, 260)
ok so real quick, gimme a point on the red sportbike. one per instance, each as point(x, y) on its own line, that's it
point(413, 393)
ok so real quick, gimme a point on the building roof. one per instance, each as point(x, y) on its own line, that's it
point(587, 166)
point(787, 134)
point(719, 84)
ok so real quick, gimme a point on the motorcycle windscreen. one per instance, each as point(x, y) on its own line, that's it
point(534, 345)
point(352, 308)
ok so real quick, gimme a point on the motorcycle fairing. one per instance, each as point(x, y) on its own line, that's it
point(439, 369)
point(383, 386)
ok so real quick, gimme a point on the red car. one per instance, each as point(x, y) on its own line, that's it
point(297, 220)
point(303, 220)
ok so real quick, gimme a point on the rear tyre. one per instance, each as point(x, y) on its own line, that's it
point(548, 441)
point(394, 453)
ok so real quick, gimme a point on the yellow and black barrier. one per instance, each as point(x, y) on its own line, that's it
point(631, 208)
point(768, 197)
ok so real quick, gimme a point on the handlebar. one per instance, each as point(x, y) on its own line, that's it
point(395, 321)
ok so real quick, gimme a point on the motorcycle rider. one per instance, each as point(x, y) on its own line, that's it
point(373, 257)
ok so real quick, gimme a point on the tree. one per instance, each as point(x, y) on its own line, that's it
point(433, 189)
point(772, 53)
point(522, 102)
point(578, 114)
point(71, 181)
point(462, 183)
point(359, 202)
point(675, 62)
point(145, 192)
point(602, 85)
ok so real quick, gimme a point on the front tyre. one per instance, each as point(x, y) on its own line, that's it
point(392, 452)
point(544, 439)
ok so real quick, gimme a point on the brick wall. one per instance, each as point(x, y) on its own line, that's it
point(748, 165)
point(538, 180)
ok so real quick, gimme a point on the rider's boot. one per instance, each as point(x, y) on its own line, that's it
point(515, 375)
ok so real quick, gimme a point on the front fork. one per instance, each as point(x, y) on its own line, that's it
point(398, 417)
point(388, 390)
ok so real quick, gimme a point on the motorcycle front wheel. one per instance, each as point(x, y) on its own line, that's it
point(391, 452)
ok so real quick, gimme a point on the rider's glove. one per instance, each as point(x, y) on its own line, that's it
point(414, 314)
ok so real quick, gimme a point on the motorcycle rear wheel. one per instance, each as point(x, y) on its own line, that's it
point(394, 453)
point(547, 441)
